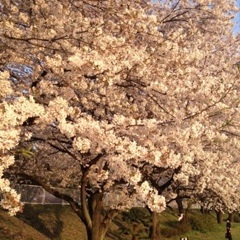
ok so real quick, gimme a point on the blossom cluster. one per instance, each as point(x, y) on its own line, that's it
point(12, 116)
point(145, 86)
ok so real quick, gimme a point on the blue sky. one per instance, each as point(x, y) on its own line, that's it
point(237, 20)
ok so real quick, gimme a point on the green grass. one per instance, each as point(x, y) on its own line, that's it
point(56, 222)
point(210, 229)
point(42, 222)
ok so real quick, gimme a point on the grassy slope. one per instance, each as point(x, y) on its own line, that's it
point(13, 228)
point(44, 222)
point(216, 232)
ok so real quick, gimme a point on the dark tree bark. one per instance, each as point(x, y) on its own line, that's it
point(231, 217)
point(180, 206)
point(155, 229)
point(219, 217)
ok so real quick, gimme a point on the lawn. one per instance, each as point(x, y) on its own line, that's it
point(44, 222)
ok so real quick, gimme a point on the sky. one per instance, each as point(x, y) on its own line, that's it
point(237, 20)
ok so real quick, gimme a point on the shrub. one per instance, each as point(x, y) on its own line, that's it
point(176, 228)
point(169, 232)
point(202, 222)
point(236, 218)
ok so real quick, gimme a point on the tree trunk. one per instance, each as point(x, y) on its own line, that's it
point(202, 210)
point(100, 221)
point(181, 212)
point(180, 206)
point(219, 217)
point(231, 217)
point(155, 230)
point(135, 231)
point(97, 231)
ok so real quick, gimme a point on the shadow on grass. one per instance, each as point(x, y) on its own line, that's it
point(133, 224)
point(45, 219)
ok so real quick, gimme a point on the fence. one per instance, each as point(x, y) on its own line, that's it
point(37, 195)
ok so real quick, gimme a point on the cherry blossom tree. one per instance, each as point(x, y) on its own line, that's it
point(118, 90)
point(15, 110)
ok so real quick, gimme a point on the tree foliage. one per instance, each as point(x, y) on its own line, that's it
point(121, 97)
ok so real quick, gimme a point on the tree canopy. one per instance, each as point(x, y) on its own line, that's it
point(123, 95)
